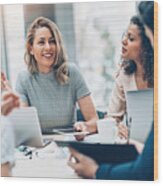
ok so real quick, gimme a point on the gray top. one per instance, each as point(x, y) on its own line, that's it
point(56, 104)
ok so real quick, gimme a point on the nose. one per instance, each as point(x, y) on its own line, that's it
point(124, 40)
point(47, 45)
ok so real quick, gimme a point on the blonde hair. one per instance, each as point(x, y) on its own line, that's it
point(60, 65)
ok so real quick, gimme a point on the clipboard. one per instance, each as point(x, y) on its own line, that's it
point(103, 153)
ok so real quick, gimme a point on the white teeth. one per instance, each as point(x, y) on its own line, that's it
point(47, 55)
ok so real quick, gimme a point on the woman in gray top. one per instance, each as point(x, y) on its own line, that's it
point(50, 84)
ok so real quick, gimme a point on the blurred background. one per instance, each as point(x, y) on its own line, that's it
point(91, 32)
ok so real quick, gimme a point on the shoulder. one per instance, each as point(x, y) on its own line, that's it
point(73, 69)
point(122, 77)
point(24, 76)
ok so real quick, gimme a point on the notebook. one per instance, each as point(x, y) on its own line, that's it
point(103, 153)
point(140, 113)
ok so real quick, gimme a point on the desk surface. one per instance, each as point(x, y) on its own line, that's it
point(49, 162)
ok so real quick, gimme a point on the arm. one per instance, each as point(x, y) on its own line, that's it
point(5, 85)
point(9, 101)
point(140, 169)
point(89, 112)
point(117, 102)
point(6, 170)
point(82, 96)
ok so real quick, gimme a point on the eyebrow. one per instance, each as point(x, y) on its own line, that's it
point(43, 38)
point(131, 34)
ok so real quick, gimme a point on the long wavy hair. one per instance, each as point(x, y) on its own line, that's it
point(60, 60)
point(147, 55)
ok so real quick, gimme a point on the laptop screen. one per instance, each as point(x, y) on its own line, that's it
point(26, 127)
point(140, 106)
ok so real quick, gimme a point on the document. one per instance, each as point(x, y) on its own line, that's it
point(70, 132)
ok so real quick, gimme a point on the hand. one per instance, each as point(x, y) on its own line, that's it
point(5, 85)
point(139, 146)
point(84, 166)
point(80, 127)
point(9, 101)
point(122, 131)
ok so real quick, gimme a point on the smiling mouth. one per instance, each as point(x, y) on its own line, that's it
point(48, 56)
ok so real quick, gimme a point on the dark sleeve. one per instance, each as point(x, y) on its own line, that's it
point(140, 169)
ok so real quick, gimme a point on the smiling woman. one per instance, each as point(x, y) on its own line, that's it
point(50, 84)
point(44, 49)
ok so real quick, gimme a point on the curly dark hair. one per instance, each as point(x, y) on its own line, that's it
point(146, 10)
point(147, 55)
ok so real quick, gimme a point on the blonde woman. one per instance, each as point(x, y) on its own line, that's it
point(51, 84)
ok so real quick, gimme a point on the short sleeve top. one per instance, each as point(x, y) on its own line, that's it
point(55, 103)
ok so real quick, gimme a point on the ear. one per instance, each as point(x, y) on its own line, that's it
point(31, 50)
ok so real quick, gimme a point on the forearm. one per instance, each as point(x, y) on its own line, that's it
point(5, 170)
point(92, 124)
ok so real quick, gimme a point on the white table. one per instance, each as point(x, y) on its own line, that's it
point(49, 162)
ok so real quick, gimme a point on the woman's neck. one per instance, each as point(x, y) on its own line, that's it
point(45, 70)
point(139, 69)
point(139, 77)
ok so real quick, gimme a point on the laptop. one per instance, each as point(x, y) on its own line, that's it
point(26, 126)
point(140, 107)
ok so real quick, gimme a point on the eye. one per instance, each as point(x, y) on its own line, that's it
point(52, 41)
point(131, 37)
point(41, 42)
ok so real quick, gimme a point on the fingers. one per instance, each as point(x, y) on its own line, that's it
point(80, 127)
point(9, 101)
point(79, 157)
point(5, 85)
point(122, 131)
point(9, 94)
point(74, 159)
point(3, 77)
point(7, 106)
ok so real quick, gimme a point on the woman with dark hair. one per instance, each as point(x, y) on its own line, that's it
point(140, 169)
point(146, 57)
point(135, 73)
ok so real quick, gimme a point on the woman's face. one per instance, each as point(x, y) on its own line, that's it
point(44, 49)
point(131, 44)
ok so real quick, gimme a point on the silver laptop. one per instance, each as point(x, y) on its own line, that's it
point(26, 127)
point(140, 107)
